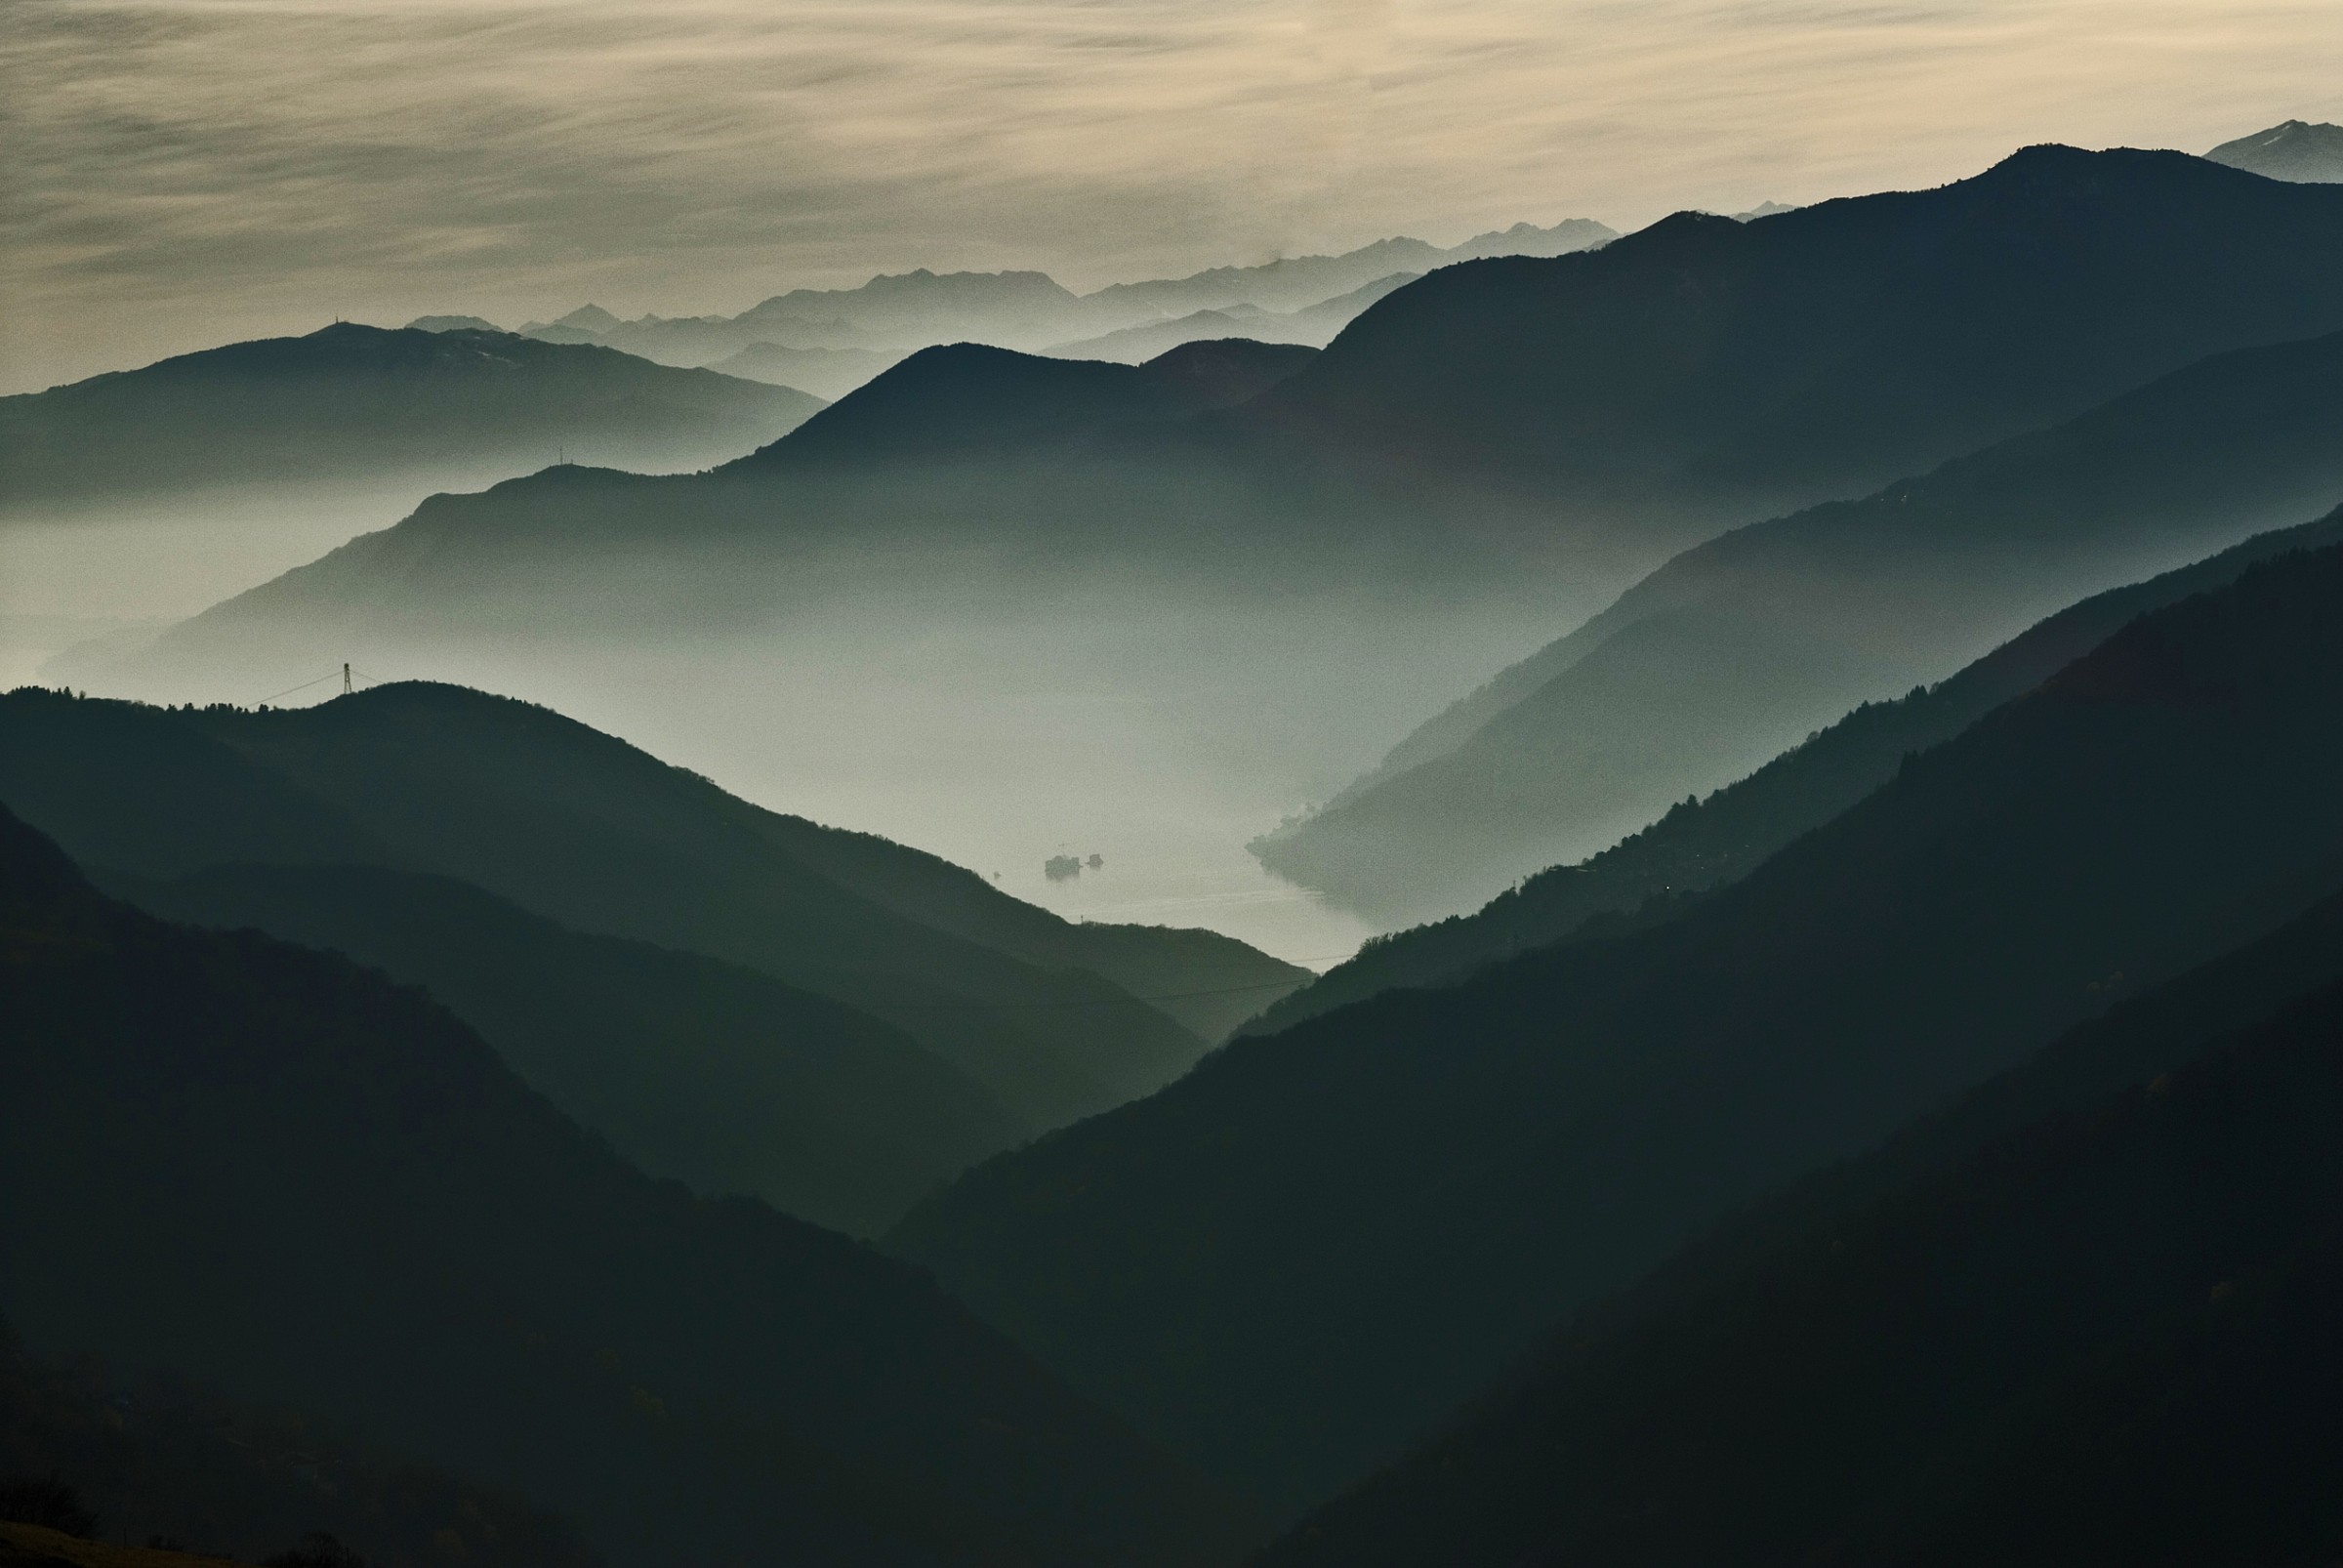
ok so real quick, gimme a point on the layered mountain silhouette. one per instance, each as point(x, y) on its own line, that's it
point(453, 323)
point(1313, 325)
point(157, 1456)
point(579, 828)
point(967, 400)
point(900, 311)
point(1654, 874)
point(1568, 422)
point(273, 1170)
point(1885, 1114)
point(347, 402)
point(1304, 1252)
point(1294, 283)
point(1135, 346)
point(1738, 648)
point(1730, 369)
point(2084, 1316)
point(894, 314)
point(707, 1072)
point(2294, 150)
point(961, 467)
point(824, 372)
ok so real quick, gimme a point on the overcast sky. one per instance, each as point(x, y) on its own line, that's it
point(184, 173)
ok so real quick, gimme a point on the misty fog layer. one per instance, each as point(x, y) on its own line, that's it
point(1158, 725)
point(127, 572)
point(1797, 747)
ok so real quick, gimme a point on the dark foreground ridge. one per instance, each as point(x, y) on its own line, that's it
point(1307, 1250)
point(99, 1459)
point(266, 1167)
point(2085, 1316)
point(1707, 843)
point(520, 863)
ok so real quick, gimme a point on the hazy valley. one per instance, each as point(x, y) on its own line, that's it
point(1588, 897)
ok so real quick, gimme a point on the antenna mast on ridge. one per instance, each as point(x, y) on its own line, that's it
point(345, 680)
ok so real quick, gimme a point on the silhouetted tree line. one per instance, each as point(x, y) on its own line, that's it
point(47, 1501)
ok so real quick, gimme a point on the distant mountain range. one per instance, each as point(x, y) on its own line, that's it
point(1309, 1249)
point(824, 372)
point(452, 409)
point(967, 401)
point(997, 468)
point(745, 1001)
point(1721, 371)
point(263, 1166)
point(2294, 150)
point(902, 311)
point(832, 339)
point(1751, 640)
point(1314, 325)
point(1296, 282)
point(1567, 423)
point(1886, 1116)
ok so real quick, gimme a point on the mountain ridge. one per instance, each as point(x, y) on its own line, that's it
point(487, 1287)
point(1303, 1253)
point(584, 830)
point(1697, 847)
point(1767, 633)
point(705, 1072)
point(1516, 426)
point(350, 401)
point(1857, 1406)
point(896, 313)
point(2294, 150)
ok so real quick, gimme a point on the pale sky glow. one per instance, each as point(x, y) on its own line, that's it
point(182, 173)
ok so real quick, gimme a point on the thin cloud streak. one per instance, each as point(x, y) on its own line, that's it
point(181, 172)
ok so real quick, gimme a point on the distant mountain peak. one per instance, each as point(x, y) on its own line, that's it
point(955, 399)
point(457, 406)
point(452, 323)
point(921, 288)
point(2040, 157)
point(588, 318)
point(2156, 174)
point(1223, 371)
point(2296, 151)
point(1528, 239)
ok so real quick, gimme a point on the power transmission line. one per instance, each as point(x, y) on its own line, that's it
point(304, 686)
